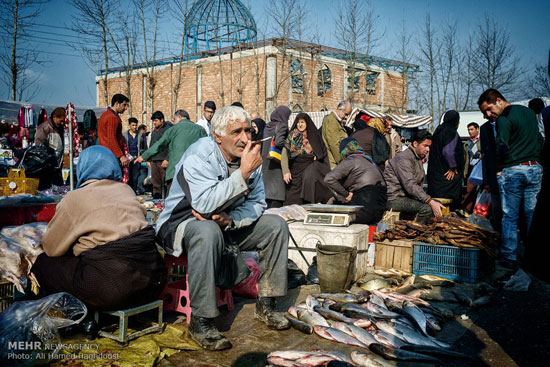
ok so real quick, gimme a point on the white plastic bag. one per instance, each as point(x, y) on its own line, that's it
point(31, 327)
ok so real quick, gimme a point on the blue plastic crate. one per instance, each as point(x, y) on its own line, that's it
point(451, 262)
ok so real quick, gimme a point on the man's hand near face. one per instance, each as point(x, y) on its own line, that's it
point(250, 159)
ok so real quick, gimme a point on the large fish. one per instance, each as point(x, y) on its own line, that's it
point(416, 316)
point(406, 333)
point(375, 284)
point(316, 360)
point(278, 361)
point(289, 354)
point(369, 359)
point(344, 297)
point(337, 355)
point(400, 354)
point(301, 326)
point(357, 311)
point(311, 302)
point(312, 318)
point(380, 310)
point(331, 314)
point(362, 335)
point(337, 336)
point(342, 326)
point(408, 282)
point(388, 339)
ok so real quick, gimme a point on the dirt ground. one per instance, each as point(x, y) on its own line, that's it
point(512, 330)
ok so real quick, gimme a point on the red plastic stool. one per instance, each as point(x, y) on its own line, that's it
point(176, 294)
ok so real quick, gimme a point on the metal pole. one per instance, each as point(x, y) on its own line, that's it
point(71, 172)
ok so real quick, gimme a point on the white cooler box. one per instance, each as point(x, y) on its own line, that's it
point(356, 235)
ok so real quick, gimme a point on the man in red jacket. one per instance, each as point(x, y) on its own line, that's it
point(109, 128)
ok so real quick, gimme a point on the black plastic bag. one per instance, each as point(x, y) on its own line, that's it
point(312, 275)
point(232, 269)
point(38, 160)
point(296, 277)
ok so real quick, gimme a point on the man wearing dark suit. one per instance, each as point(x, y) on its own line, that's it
point(487, 137)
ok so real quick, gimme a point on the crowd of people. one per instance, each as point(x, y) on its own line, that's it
point(220, 174)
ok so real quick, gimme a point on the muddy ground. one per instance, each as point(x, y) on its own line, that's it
point(512, 330)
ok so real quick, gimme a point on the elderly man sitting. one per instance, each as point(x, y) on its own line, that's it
point(213, 211)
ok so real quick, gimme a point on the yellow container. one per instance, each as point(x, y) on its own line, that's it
point(18, 183)
point(447, 203)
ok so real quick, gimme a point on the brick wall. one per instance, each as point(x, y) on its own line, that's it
point(240, 84)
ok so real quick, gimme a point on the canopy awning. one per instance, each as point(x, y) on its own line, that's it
point(402, 121)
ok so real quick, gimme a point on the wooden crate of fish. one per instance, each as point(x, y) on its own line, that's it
point(451, 262)
point(307, 236)
point(396, 254)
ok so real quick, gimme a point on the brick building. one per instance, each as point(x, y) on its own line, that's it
point(262, 75)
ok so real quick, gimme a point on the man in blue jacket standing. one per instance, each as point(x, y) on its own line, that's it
point(215, 210)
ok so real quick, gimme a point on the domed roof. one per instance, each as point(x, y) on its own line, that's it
point(213, 24)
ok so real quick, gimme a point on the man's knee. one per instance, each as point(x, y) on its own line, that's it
point(204, 233)
point(276, 223)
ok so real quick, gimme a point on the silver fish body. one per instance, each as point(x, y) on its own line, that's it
point(337, 335)
point(312, 318)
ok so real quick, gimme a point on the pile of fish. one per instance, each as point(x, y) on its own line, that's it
point(448, 230)
point(384, 326)
point(19, 248)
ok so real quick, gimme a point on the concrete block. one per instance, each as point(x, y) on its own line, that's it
point(307, 236)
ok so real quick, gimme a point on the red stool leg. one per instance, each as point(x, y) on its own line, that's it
point(176, 294)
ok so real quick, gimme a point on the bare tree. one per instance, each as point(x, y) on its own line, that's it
point(181, 9)
point(355, 27)
point(92, 22)
point(404, 55)
point(429, 59)
point(16, 17)
point(124, 39)
point(149, 13)
point(282, 14)
point(495, 64)
point(447, 67)
point(540, 81)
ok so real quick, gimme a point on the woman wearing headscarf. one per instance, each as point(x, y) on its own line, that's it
point(272, 173)
point(445, 160)
point(98, 246)
point(370, 139)
point(357, 180)
point(258, 126)
point(304, 156)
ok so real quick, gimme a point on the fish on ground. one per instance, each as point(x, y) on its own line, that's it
point(400, 354)
point(312, 318)
point(301, 326)
point(337, 336)
point(369, 359)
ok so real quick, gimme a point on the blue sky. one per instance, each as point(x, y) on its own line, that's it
point(67, 77)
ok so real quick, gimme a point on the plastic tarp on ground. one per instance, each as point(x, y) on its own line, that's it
point(401, 121)
point(10, 109)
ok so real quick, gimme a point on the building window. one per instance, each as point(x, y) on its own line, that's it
point(297, 76)
point(324, 82)
point(370, 78)
point(355, 81)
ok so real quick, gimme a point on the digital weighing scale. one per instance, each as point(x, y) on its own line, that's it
point(330, 215)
